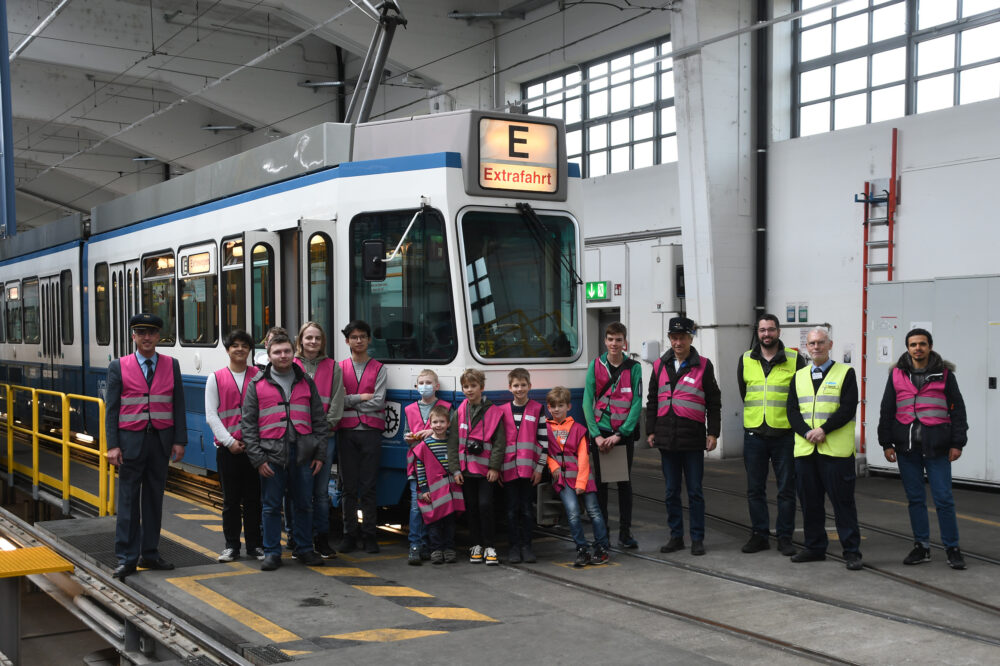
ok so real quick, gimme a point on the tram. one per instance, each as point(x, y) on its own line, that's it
point(457, 236)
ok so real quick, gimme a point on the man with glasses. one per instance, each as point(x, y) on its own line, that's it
point(146, 428)
point(764, 373)
point(822, 400)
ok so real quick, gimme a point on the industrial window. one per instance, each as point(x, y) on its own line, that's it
point(234, 300)
point(198, 285)
point(619, 110)
point(866, 61)
point(66, 306)
point(102, 303)
point(12, 305)
point(158, 294)
point(320, 285)
point(31, 311)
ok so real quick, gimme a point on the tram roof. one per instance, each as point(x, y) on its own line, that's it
point(64, 230)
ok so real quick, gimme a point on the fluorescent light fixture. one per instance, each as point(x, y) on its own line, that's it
point(144, 158)
point(223, 128)
point(320, 84)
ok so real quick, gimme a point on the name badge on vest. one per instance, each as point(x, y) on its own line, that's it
point(690, 380)
point(463, 426)
point(529, 417)
point(626, 389)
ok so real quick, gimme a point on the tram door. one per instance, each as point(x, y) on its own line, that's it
point(263, 291)
point(316, 260)
point(125, 290)
point(51, 323)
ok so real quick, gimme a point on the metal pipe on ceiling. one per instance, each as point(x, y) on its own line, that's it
point(38, 30)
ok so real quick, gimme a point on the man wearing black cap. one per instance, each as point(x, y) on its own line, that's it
point(146, 428)
point(683, 397)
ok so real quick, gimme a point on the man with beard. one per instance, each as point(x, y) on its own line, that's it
point(764, 373)
point(922, 426)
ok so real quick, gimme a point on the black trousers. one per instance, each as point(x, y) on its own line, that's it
point(478, 494)
point(241, 509)
point(141, 482)
point(624, 489)
point(358, 455)
point(816, 475)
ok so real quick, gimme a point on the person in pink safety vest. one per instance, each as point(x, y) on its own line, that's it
point(417, 415)
point(440, 498)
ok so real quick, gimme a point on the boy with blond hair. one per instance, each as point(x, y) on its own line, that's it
point(524, 460)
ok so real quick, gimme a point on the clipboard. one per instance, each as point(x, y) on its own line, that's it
point(614, 464)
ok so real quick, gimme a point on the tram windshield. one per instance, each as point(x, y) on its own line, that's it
point(522, 289)
point(411, 311)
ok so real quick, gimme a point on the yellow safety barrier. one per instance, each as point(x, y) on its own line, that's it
point(104, 500)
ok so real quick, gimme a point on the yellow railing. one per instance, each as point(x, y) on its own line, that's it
point(63, 437)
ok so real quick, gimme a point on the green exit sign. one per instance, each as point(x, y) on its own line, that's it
point(598, 291)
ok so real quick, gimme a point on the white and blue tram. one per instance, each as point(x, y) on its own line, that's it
point(456, 236)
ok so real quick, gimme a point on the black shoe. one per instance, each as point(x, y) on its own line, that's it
point(270, 563)
point(123, 571)
point(785, 546)
point(626, 540)
point(600, 556)
point(371, 545)
point(527, 555)
point(955, 559)
point(158, 564)
point(918, 555)
point(349, 544)
point(854, 561)
point(582, 558)
point(757, 543)
point(808, 556)
point(290, 543)
point(514, 555)
point(672, 546)
point(413, 559)
point(698, 547)
point(310, 558)
point(322, 546)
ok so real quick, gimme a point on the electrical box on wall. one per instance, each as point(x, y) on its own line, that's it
point(668, 278)
point(650, 350)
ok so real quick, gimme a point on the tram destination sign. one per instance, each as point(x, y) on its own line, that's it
point(518, 155)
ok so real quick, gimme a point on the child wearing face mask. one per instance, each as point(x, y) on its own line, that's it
point(417, 428)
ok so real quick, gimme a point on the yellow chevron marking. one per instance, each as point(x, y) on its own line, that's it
point(392, 591)
point(386, 635)
point(451, 613)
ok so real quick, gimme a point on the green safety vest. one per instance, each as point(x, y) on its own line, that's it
point(817, 407)
point(767, 396)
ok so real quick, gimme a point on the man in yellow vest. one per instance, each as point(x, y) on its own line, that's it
point(764, 373)
point(822, 401)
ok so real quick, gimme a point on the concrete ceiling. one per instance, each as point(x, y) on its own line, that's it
point(109, 81)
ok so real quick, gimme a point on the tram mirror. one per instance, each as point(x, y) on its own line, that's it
point(372, 256)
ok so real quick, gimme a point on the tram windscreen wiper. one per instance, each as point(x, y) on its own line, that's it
point(546, 244)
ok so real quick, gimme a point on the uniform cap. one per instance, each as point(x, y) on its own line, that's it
point(145, 320)
point(680, 325)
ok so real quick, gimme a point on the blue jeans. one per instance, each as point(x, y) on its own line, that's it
point(757, 452)
point(692, 465)
point(817, 475)
point(321, 494)
point(571, 502)
point(418, 531)
point(911, 471)
point(299, 481)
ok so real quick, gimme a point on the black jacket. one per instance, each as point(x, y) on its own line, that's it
point(680, 434)
point(936, 439)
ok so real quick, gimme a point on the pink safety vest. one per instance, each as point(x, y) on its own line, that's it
point(523, 449)
point(274, 412)
point(617, 399)
point(323, 379)
point(146, 403)
point(414, 422)
point(928, 405)
point(231, 399)
point(446, 495)
point(687, 399)
point(481, 432)
point(565, 453)
point(352, 417)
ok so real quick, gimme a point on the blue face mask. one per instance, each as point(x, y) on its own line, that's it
point(425, 390)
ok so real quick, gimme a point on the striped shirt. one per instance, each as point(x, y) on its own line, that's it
point(439, 447)
point(543, 432)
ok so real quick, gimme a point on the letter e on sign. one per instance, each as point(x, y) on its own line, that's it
point(514, 131)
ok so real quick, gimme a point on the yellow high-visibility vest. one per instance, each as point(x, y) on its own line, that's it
point(767, 396)
point(817, 407)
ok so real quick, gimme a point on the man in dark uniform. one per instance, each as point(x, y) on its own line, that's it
point(146, 428)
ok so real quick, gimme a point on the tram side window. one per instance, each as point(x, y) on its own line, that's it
point(320, 266)
point(102, 304)
point(158, 295)
point(13, 311)
point(31, 311)
point(66, 301)
point(199, 296)
point(234, 300)
point(411, 311)
point(522, 294)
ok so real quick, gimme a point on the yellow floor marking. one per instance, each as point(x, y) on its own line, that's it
point(213, 528)
point(392, 591)
point(386, 635)
point(244, 616)
point(190, 544)
point(296, 653)
point(973, 519)
point(198, 516)
point(451, 613)
point(347, 572)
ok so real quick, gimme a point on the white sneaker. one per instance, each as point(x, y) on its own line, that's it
point(258, 552)
point(476, 555)
point(491, 557)
point(228, 555)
